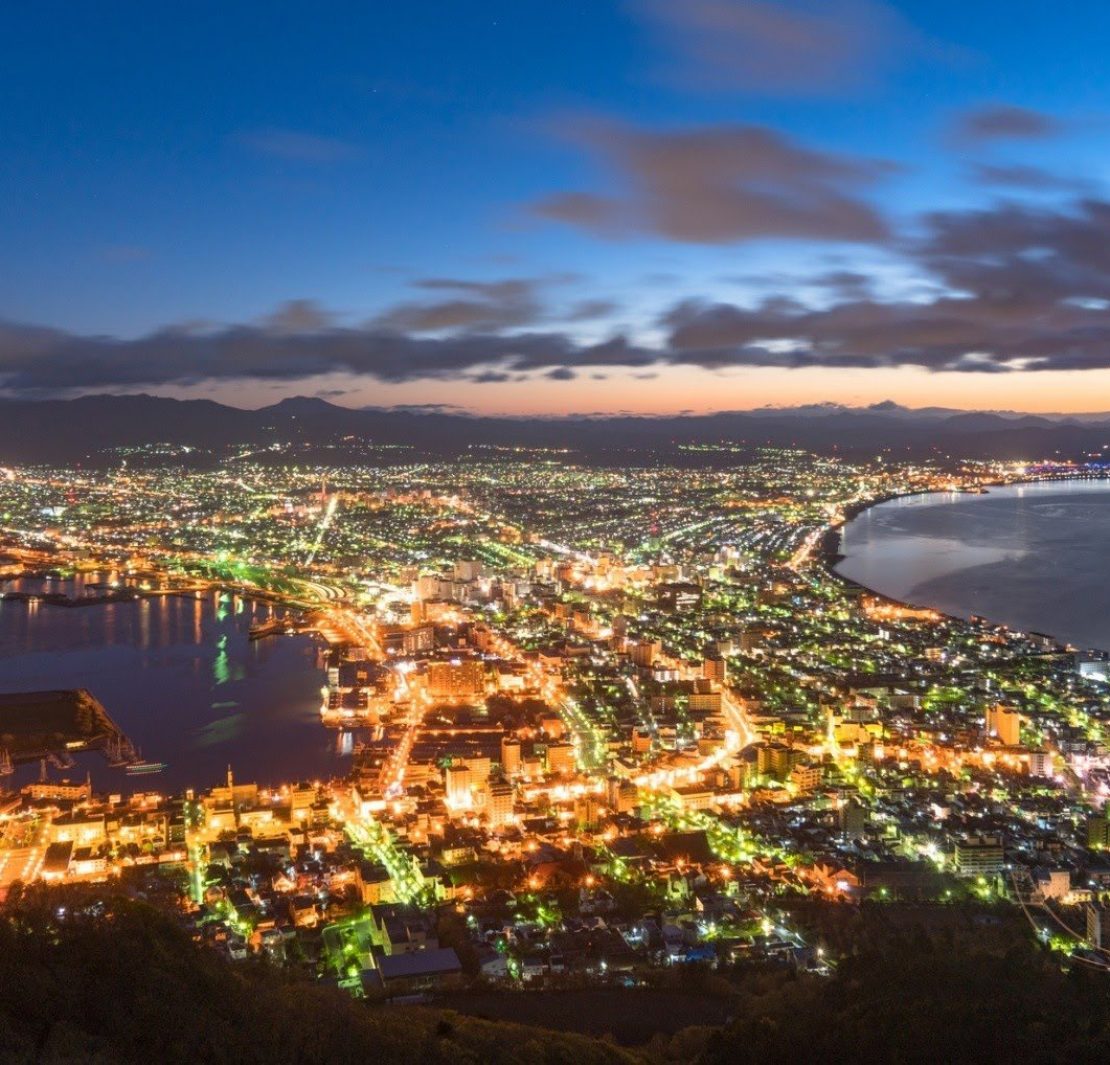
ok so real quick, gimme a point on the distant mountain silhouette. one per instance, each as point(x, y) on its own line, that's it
point(91, 429)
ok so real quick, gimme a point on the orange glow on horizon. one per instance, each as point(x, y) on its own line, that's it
point(674, 390)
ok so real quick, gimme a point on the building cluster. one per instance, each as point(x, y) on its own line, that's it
point(602, 720)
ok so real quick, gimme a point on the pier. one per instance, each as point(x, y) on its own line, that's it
point(52, 725)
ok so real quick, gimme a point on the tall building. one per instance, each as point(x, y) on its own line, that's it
point(510, 756)
point(979, 856)
point(1004, 724)
point(713, 667)
point(460, 783)
point(807, 776)
point(457, 679)
point(641, 740)
point(644, 652)
point(560, 758)
point(1098, 832)
point(776, 760)
point(479, 766)
point(421, 638)
point(1096, 922)
point(587, 812)
point(500, 805)
point(1040, 764)
point(468, 570)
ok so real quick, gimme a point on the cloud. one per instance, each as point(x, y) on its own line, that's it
point(582, 209)
point(37, 360)
point(1023, 289)
point(720, 185)
point(297, 316)
point(844, 284)
point(295, 146)
point(421, 408)
point(472, 305)
point(1013, 287)
point(1027, 178)
point(993, 122)
point(588, 310)
point(486, 305)
point(789, 47)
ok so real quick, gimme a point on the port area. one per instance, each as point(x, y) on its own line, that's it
point(53, 724)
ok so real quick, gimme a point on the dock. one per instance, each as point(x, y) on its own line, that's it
point(52, 725)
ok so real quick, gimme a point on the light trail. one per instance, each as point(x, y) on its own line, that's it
point(325, 523)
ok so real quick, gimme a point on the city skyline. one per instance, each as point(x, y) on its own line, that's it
point(543, 533)
point(521, 210)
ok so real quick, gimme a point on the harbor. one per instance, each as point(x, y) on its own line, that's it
point(53, 726)
point(187, 682)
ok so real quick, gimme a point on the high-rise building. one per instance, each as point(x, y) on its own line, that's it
point(499, 808)
point(459, 782)
point(713, 667)
point(560, 758)
point(1004, 724)
point(468, 570)
point(807, 776)
point(979, 856)
point(644, 652)
point(1097, 916)
point(457, 679)
point(1040, 764)
point(587, 812)
point(418, 639)
point(1098, 832)
point(510, 756)
point(776, 760)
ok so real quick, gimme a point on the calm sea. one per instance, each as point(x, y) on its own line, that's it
point(1035, 557)
point(181, 678)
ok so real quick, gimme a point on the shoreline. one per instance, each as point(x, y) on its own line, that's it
point(191, 727)
point(832, 556)
point(132, 594)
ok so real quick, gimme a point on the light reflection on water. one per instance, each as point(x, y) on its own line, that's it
point(181, 678)
point(1030, 556)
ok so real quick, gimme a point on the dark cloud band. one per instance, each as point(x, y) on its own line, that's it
point(1020, 288)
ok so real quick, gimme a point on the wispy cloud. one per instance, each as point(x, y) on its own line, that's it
point(787, 47)
point(297, 146)
point(1001, 121)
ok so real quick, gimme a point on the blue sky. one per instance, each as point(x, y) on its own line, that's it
point(201, 163)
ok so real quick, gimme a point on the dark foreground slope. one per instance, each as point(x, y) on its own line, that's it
point(120, 982)
point(920, 1001)
point(89, 976)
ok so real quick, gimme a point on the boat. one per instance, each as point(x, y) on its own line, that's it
point(120, 751)
point(137, 767)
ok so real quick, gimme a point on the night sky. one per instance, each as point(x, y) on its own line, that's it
point(652, 205)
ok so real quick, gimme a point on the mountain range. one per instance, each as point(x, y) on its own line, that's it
point(98, 428)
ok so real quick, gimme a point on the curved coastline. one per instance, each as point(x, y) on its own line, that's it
point(832, 537)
